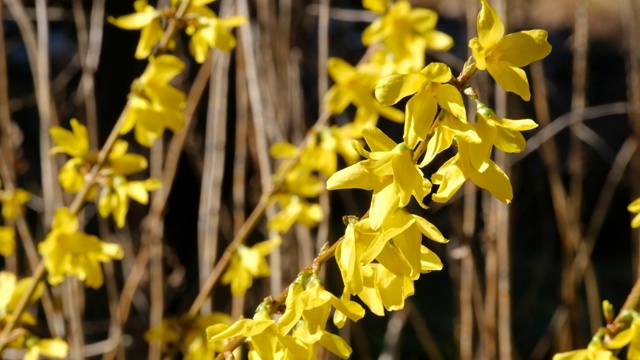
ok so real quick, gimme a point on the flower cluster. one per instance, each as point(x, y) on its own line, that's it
point(11, 290)
point(622, 332)
point(206, 29)
point(111, 185)
point(381, 255)
point(67, 251)
point(301, 326)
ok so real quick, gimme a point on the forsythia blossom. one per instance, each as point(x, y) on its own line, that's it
point(146, 18)
point(406, 32)
point(503, 56)
point(154, 104)
point(66, 251)
point(247, 264)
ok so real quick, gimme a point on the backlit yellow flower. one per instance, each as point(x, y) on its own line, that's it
point(66, 251)
point(13, 203)
point(207, 30)
point(7, 240)
point(154, 104)
point(389, 171)
point(294, 209)
point(430, 90)
point(147, 18)
point(51, 348)
point(247, 264)
point(503, 56)
point(634, 208)
point(453, 173)
point(114, 197)
point(11, 290)
point(355, 85)
point(407, 33)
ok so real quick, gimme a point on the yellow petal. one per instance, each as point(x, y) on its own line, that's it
point(54, 348)
point(449, 99)
point(495, 181)
point(429, 261)
point(490, 27)
point(421, 111)
point(340, 70)
point(391, 89)
point(510, 78)
point(450, 177)
point(437, 72)
point(377, 139)
point(439, 41)
point(335, 344)
point(522, 48)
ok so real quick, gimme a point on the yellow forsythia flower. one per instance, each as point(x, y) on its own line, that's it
point(74, 143)
point(12, 203)
point(154, 104)
point(407, 33)
point(294, 209)
point(207, 30)
point(389, 171)
point(634, 208)
point(52, 348)
point(114, 197)
point(247, 264)
point(147, 18)
point(7, 240)
point(11, 290)
point(66, 251)
point(503, 56)
point(354, 85)
point(430, 90)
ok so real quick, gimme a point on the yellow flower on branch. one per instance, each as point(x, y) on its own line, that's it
point(634, 208)
point(11, 290)
point(406, 32)
point(51, 348)
point(294, 209)
point(114, 197)
point(7, 240)
point(153, 103)
point(430, 89)
point(453, 173)
point(249, 263)
point(503, 56)
point(66, 251)
point(13, 203)
point(207, 30)
point(355, 85)
point(146, 18)
point(389, 171)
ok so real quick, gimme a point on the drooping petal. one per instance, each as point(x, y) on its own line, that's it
point(421, 111)
point(450, 100)
point(391, 89)
point(490, 27)
point(510, 78)
point(522, 48)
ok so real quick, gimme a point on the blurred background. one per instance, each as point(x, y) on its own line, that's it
point(519, 282)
